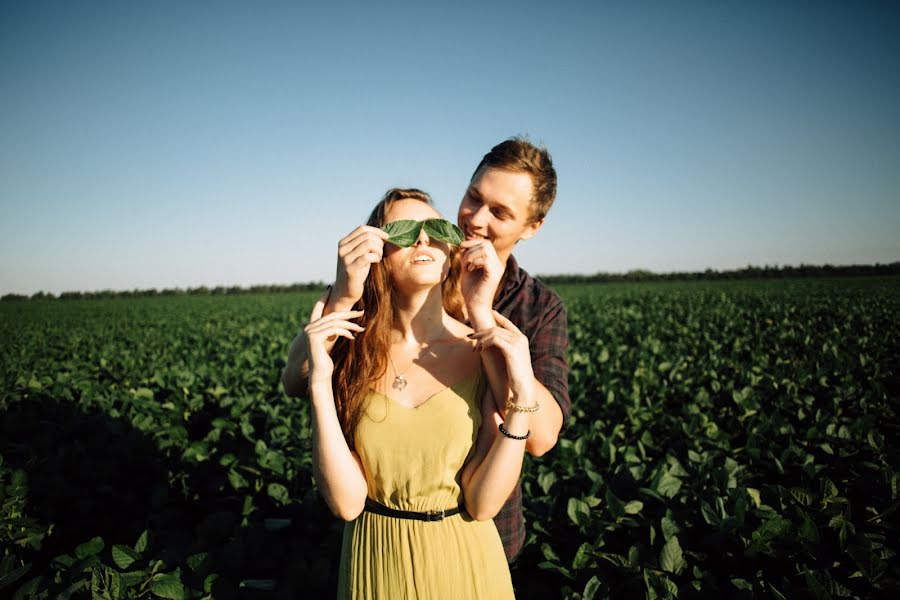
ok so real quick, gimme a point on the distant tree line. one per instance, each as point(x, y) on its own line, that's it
point(749, 272)
point(316, 286)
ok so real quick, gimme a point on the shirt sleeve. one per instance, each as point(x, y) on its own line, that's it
point(548, 346)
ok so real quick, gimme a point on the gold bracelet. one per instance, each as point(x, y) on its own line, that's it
point(510, 405)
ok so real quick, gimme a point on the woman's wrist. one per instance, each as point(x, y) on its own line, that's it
point(516, 424)
point(481, 317)
point(319, 383)
point(516, 405)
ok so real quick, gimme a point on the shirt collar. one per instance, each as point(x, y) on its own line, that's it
point(512, 279)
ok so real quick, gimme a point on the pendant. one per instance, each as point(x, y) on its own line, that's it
point(399, 383)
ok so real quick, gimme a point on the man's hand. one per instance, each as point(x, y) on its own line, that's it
point(356, 254)
point(481, 275)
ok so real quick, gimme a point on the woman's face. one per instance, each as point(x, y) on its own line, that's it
point(425, 263)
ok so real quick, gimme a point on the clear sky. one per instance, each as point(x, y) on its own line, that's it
point(177, 144)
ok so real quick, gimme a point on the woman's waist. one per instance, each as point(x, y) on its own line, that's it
point(432, 500)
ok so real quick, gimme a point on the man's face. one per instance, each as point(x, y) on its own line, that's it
point(497, 206)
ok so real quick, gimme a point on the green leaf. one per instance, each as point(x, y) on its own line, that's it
point(583, 557)
point(870, 563)
point(195, 561)
point(802, 495)
point(29, 590)
point(754, 495)
point(579, 512)
point(671, 558)
point(134, 577)
point(669, 526)
point(89, 548)
point(141, 545)
point(236, 480)
point(549, 553)
point(9, 572)
point(123, 556)
point(278, 493)
point(667, 485)
point(808, 531)
point(107, 584)
point(444, 231)
point(403, 233)
point(209, 582)
point(634, 507)
point(168, 586)
point(546, 481)
point(591, 588)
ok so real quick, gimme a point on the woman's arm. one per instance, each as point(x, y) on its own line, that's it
point(337, 469)
point(493, 470)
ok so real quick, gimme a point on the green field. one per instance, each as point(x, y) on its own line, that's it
point(733, 439)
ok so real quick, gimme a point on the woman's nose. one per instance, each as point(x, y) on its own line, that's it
point(423, 238)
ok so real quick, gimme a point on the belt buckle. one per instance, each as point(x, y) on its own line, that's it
point(435, 515)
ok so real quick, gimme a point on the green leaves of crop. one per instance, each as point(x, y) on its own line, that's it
point(671, 558)
point(405, 233)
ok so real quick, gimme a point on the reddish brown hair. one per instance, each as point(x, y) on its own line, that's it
point(519, 155)
point(360, 363)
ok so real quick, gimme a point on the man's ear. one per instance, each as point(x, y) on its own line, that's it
point(531, 229)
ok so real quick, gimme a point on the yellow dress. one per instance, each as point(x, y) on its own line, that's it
point(413, 460)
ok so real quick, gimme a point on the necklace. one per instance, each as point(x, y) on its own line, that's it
point(400, 382)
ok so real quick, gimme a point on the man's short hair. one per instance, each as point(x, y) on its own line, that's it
point(519, 155)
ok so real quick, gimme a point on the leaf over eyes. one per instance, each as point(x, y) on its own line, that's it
point(444, 231)
point(403, 233)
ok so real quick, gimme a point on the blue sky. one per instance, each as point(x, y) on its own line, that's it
point(177, 144)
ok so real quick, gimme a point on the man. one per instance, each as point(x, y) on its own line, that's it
point(506, 202)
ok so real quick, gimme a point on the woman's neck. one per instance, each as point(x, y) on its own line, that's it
point(419, 317)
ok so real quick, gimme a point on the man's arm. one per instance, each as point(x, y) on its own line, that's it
point(295, 374)
point(482, 273)
point(550, 379)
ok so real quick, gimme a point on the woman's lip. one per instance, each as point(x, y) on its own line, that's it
point(421, 254)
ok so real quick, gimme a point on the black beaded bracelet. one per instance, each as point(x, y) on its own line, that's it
point(511, 436)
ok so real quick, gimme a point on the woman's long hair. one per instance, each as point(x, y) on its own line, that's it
point(360, 363)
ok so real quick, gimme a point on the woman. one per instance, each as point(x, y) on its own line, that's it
point(407, 445)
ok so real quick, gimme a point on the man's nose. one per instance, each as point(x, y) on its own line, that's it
point(480, 217)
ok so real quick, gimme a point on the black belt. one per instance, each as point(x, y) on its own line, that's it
point(431, 515)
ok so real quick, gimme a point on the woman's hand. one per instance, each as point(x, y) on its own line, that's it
point(513, 344)
point(321, 333)
point(357, 251)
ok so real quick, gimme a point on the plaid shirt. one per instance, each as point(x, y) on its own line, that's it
point(539, 313)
